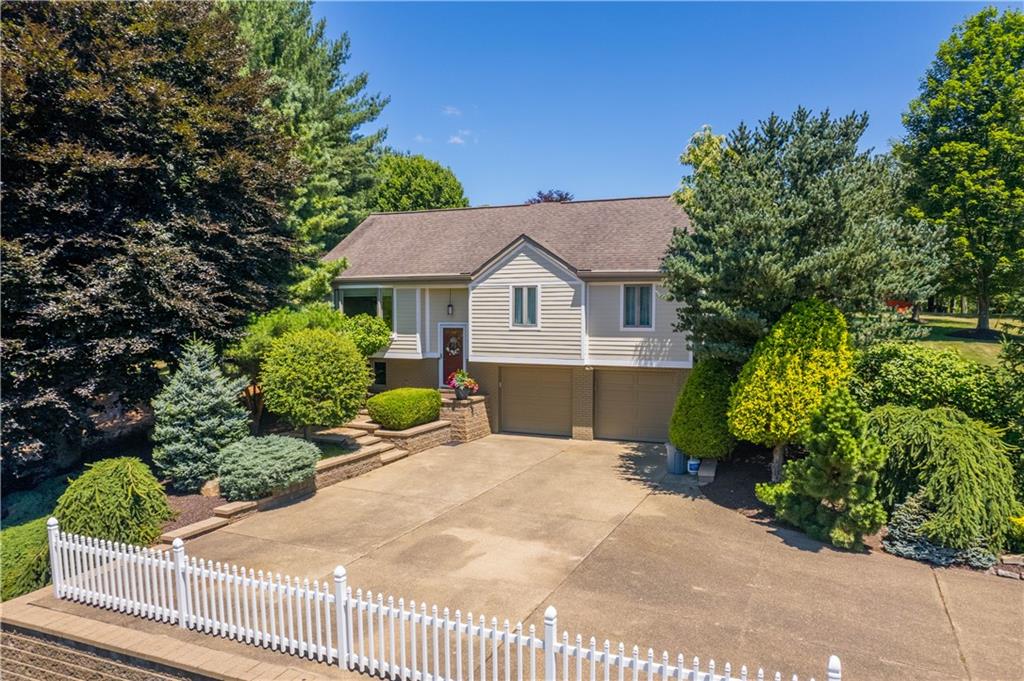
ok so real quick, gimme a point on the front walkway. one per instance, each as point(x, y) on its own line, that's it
point(508, 525)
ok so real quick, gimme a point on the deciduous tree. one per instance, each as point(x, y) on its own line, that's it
point(416, 183)
point(550, 196)
point(142, 203)
point(965, 150)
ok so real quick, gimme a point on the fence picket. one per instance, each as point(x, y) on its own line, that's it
point(312, 621)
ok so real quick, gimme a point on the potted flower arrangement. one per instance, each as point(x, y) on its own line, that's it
point(463, 384)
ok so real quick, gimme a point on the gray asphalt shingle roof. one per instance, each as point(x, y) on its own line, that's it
point(602, 236)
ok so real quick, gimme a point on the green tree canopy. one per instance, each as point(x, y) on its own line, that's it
point(142, 203)
point(416, 183)
point(965, 149)
point(806, 356)
point(786, 211)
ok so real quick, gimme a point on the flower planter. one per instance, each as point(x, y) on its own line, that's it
point(674, 460)
point(461, 393)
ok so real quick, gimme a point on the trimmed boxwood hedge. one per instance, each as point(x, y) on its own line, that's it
point(254, 467)
point(403, 408)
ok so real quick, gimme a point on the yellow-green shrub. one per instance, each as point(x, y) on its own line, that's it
point(805, 356)
point(24, 559)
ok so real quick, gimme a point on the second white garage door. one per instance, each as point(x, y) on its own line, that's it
point(634, 404)
point(536, 400)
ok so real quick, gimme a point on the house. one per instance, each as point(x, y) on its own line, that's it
point(555, 308)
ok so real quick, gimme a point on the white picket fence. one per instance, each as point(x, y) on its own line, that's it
point(360, 631)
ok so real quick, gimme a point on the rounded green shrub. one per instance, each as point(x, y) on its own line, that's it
point(256, 466)
point(24, 559)
point(403, 408)
point(700, 423)
point(832, 492)
point(805, 356)
point(117, 499)
point(315, 377)
point(197, 413)
point(370, 334)
point(913, 375)
point(959, 469)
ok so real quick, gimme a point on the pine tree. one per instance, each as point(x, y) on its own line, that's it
point(787, 211)
point(198, 413)
point(832, 492)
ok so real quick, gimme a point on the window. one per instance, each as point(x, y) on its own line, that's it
point(637, 310)
point(380, 373)
point(524, 306)
point(376, 302)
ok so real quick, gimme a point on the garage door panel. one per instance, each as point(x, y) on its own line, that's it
point(536, 400)
point(634, 405)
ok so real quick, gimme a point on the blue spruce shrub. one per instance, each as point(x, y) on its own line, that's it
point(255, 467)
point(198, 413)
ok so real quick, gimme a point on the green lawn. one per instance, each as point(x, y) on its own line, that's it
point(940, 328)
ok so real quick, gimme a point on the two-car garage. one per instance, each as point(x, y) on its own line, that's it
point(626, 404)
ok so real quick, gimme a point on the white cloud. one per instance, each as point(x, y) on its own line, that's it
point(449, 110)
point(456, 139)
point(421, 139)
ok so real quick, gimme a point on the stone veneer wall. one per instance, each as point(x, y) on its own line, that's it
point(418, 438)
point(336, 469)
point(468, 417)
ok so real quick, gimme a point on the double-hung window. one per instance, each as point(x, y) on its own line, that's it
point(524, 306)
point(374, 301)
point(637, 306)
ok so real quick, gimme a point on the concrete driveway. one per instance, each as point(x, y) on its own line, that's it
point(507, 525)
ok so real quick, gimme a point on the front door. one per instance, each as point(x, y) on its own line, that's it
point(452, 351)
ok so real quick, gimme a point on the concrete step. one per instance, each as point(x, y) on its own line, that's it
point(366, 425)
point(364, 412)
point(365, 440)
point(194, 530)
point(379, 448)
point(394, 455)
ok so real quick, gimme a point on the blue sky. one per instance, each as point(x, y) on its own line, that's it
point(599, 99)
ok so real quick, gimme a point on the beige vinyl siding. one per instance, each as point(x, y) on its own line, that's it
point(405, 340)
point(436, 312)
point(558, 335)
point(607, 342)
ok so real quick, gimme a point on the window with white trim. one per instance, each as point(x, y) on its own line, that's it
point(637, 306)
point(524, 306)
point(374, 301)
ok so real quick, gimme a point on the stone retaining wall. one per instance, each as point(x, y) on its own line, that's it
point(468, 417)
point(418, 438)
point(338, 468)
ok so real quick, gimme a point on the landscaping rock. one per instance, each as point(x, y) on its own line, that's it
point(211, 488)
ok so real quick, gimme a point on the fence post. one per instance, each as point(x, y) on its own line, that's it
point(550, 636)
point(835, 669)
point(341, 614)
point(52, 536)
point(178, 548)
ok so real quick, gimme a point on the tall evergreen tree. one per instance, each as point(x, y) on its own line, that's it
point(198, 413)
point(142, 203)
point(786, 211)
point(965, 149)
point(322, 107)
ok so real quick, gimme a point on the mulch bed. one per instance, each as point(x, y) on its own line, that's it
point(191, 508)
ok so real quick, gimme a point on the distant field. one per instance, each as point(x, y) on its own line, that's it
point(940, 328)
